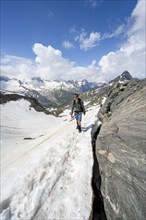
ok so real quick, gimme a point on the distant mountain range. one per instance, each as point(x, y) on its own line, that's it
point(55, 95)
point(48, 93)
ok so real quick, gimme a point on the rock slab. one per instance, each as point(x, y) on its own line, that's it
point(121, 151)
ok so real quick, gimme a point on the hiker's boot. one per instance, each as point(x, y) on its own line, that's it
point(79, 128)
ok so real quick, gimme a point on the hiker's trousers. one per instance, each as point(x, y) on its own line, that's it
point(78, 116)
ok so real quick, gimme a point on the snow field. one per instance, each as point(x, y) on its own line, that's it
point(53, 180)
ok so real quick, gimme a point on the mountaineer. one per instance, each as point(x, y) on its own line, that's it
point(77, 108)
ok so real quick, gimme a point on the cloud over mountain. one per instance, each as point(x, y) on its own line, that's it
point(131, 55)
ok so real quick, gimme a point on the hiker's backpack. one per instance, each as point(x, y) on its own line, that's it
point(79, 103)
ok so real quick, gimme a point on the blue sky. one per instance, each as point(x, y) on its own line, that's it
point(79, 35)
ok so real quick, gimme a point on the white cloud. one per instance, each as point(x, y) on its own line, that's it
point(95, 3)
point(138, 15)
point(131, 56)
point(68, 45)
point(50, 63)
point(119, 30)
point(94, 38)
point(87, 43)
point(50, 14)
point(73, 30)
point(17, 67)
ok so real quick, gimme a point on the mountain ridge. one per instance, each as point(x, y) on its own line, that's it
point(57, 94)
point(50, 93)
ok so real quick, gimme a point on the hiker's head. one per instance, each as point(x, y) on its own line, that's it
point(76, 96)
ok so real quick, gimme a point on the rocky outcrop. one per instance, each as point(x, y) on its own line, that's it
point(121, 151)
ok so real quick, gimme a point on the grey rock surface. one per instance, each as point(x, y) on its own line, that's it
point(121, 151)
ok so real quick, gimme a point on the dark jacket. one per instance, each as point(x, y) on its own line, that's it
point(77, 106)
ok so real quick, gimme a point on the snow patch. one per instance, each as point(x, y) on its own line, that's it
point(48, 177)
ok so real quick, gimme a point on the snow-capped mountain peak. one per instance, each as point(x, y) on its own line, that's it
point(48, 92)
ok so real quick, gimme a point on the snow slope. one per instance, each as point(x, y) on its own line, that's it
point(47, 175)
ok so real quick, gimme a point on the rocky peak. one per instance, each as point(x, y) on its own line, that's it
point(125, 76)
point(84, 82)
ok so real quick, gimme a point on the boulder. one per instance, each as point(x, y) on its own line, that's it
point(121, 152)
